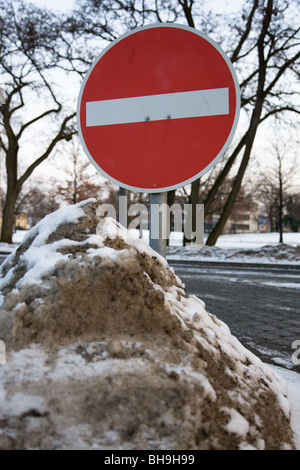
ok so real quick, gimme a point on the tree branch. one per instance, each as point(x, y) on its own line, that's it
point(37, 118)
point(286, 65)
point(279, 110)
point(60, 136)
point(223, 174)
point(246, 33)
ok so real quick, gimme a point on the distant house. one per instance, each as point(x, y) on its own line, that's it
point(263, 223)
point(243, 219)
point(245, 223)
point(21, 221)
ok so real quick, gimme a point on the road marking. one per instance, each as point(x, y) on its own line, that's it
point(166, 106)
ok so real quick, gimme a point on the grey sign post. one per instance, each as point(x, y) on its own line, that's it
point(158, 222)
point(123, 209)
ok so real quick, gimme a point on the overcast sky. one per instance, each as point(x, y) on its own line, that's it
point(220, 5)
point(55, 4)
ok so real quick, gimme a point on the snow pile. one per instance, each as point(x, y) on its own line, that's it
point(256, 239)
point(280, 253)
point(105, 350)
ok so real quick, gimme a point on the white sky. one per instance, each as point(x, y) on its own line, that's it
point(55, 4)
point(219, 5)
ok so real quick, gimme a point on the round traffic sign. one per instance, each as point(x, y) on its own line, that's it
point(158, 107)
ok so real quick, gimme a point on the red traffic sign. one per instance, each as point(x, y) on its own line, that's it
point(158, 108)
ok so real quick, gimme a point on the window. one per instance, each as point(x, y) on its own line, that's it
point(242, 227)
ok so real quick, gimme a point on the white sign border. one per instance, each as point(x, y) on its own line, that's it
point(229, 138)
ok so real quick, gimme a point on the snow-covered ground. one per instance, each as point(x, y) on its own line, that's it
point(244, 248)
point(259, 247)
point(256, 240)
point(293, 381)
point(238, 241)
point(242, 240)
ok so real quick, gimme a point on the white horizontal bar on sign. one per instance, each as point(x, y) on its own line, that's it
point(186, 104)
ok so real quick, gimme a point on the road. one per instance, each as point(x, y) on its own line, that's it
point(260, 305)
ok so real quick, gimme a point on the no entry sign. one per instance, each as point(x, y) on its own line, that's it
point(158, 108)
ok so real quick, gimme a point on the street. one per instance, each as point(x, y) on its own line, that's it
point(260, 305)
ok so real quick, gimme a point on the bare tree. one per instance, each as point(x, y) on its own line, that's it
point(30, 101)
point(263, 92)
point(37, 199)
point(79, 183)
point(292, 216)
point(273, 187)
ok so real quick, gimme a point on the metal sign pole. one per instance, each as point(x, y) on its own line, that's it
point(158, 222)
point(123, 207)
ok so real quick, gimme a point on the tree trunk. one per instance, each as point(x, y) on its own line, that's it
point(220, 179)
point(12, 190)
point(219, 227)
point(8, 216)
point(193, 201)
point(280, 209)
point(254, 123)
point(170, 202)
point(271, 219)
point(14, 184)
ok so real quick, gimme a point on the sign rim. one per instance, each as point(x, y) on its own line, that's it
point(225, 145)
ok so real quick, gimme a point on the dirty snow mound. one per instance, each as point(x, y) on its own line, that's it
point(105, 350)
point(279, 254)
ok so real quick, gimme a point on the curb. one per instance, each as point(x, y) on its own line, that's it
point(234, 264)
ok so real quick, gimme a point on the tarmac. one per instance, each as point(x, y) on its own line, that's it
point(258, 302)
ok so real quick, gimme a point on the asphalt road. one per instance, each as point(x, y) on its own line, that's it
point(260, 305)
